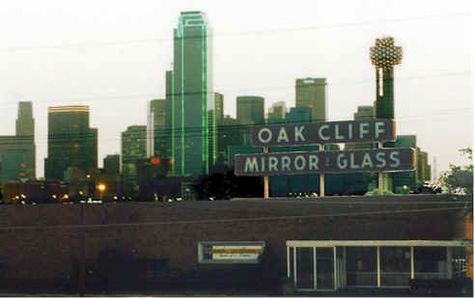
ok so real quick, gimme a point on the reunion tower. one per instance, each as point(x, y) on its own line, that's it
point(385, 55)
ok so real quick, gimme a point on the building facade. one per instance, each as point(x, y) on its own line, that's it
point(72, 143)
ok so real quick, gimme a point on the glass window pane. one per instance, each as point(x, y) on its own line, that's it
point(361, 266)
point(325, 268)
point(304, 268)
point(395, 266)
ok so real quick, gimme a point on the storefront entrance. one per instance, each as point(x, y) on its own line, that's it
point(333, 265)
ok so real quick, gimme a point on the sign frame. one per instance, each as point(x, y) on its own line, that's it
point(332, 132)
point(321, 162)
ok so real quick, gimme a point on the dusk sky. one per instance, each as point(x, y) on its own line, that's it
point(112, 56)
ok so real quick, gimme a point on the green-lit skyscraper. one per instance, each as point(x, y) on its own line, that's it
point(72, 143)
point(311, 93)
point(192, 99)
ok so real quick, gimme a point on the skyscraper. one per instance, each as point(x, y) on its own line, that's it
point(17, 153)
point(311, 93)
point(277, 112)
point(193, 99)
point(219, 108)
point(112, 164)
point(157, 139)
point(72, 143)
point(133, 150)
point(250, 110)
point(25, 124)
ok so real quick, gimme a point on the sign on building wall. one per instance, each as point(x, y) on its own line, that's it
point(223, 252)
point(314, 162)
point(378, 130)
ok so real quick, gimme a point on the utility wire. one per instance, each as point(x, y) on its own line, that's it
point(224, 35)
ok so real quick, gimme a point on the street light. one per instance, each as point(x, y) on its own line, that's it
point(101, 187)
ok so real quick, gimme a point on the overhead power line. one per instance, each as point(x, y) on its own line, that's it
point(230, 34)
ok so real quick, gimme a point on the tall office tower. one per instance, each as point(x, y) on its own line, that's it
point(133, 150)
point(311, 93)
point(277, 112)
point(72, 143)
point(17, 153)
point(157, 136)
point(219, 108)
point(112, 164)
point(25, 129)
point(423, 169)
point(384, 56)
point(250, 110)
point(25, 123)
point(193, 99)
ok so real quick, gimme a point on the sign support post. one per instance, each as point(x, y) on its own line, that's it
point(380, 174)
point(321, 178)
point(266, 180)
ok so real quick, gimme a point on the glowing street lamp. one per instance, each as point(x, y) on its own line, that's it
point(101, 187)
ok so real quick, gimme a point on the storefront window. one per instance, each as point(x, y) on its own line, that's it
point(362, 266)
point(431, 263)
point(395, 266)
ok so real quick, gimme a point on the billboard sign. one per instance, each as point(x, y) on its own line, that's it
point(358, 131)
point(222, 252)
point(314, 162)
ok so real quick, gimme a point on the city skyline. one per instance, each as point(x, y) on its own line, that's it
point(409, 84)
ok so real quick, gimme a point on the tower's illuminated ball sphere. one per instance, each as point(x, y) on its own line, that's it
point(385, 54)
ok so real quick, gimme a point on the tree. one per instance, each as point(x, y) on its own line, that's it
point(458, 179)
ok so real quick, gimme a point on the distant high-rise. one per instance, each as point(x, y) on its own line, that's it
point(133, 150)
point(277, 112)
point(250, 110)
point(72, 143)
point(157, 140)
point(25, 123)
point(17, 153)
point(112, 164)
point(192, 99)
point(311, 93)
point(219, 108)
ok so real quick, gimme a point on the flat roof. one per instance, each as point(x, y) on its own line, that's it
point(332, 243)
